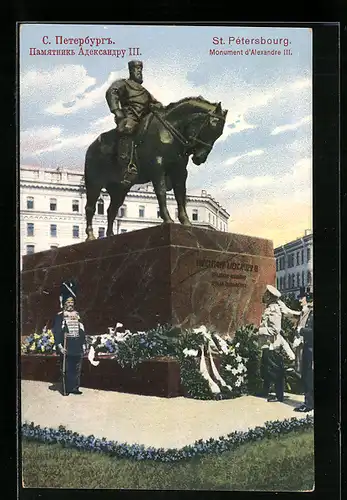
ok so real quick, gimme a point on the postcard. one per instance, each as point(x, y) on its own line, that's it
point(166, 257)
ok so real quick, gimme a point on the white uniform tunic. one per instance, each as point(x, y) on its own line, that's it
point(271, 326)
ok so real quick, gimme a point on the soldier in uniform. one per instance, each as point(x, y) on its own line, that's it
point(273, 344)
point(130, 102)
point(307, 362)
point(70, 341)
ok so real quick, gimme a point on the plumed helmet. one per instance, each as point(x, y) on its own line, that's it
point(68, 290)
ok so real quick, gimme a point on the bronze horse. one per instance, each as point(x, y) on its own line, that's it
point(163, 143)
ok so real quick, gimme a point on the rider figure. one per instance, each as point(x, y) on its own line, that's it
point(130, 102)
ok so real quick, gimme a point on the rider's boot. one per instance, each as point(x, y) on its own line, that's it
point(126, 161)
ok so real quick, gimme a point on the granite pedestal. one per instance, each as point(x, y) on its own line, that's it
point(169, 273)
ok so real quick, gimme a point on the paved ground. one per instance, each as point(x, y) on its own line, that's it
point(148, 420)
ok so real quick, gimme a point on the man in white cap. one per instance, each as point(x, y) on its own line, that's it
point(273, 344)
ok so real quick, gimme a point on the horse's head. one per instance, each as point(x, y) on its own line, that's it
point(204, 130)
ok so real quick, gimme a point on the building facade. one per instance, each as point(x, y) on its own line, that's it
point(294, 265)
point(52, 213)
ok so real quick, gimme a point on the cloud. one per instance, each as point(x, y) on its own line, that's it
point(36, 140)
point(234, 159)
point(291, 126)
point(87, 100)
point(242, 183)
point(103, 123)
point(269, 206)
point(296, 179)
point(58, 90)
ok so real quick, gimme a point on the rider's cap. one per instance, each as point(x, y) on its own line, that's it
point(132, 64)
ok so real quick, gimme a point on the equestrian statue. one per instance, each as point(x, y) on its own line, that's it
point(152, 143)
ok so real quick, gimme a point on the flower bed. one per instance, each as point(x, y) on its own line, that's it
point(201, 447)
point(211, 367)
point(39, 343)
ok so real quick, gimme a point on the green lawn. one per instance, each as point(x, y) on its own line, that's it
point(284, 463)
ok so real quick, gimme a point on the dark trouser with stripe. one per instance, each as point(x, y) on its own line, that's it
point(272, 372)
point(73, 367)
point(307, 376)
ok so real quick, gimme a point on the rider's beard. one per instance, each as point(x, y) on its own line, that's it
point(137, 78)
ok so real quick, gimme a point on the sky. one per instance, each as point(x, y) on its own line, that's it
point(260, 169)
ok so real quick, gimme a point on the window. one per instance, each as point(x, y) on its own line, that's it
point(276, 264)
point(302, 257)
point(158, 213)
point(297, 258)
point(309, 277)
point(220, 226)
point(284, 282)
point(123, 230)
point(308, 254)
point(122, 211)
point(53, 247)
point(75, 206)
point(53, 204)
point(213, 220)
point(53, 230)
point(176, 213)
point(277, 283)
point(289, 281)
point(75, 231)
point(101, 232)
point(209, 217)
point(100, 206)
point(30, 202)
point(303, 278)
point(30, 229)
point(141, 211)
point(293, 280)
point(298, 279)
point(30, 249)
point(281, 283)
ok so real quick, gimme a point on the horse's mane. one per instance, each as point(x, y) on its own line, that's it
point(192, 100)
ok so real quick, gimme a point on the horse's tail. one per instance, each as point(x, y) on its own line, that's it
point(91, 161)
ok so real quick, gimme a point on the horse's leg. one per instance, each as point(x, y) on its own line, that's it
point(160, 190)
point(179, 179)
point(93, 192)
point(117, 194)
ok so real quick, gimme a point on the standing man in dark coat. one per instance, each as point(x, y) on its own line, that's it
point(307, 364)
point(305, 298)
point(130, 102)
point(69, 339)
